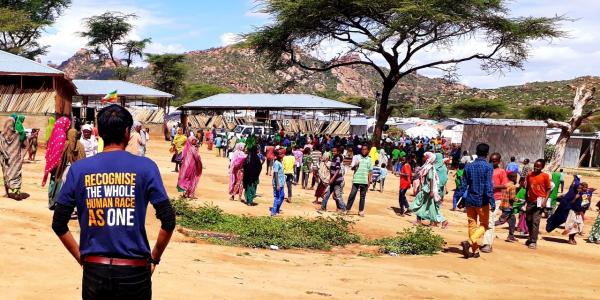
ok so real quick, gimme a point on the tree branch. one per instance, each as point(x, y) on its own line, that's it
point(557, 124)
point(327, 67)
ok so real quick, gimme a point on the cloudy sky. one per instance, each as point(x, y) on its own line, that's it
point(185, 25)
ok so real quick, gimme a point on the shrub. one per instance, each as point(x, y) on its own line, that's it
point(412, 241)
point(261, 232)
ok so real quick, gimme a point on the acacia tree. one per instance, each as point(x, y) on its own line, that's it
point(22, 23)
point(478, 108)
point(132, 49)
point(396, 31)
point(584, 94)
point(168, 71)
point(107, 31)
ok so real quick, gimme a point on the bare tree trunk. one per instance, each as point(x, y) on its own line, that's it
point(583, 95)
point(382, 115)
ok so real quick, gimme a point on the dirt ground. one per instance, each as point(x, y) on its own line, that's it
point(34, 264)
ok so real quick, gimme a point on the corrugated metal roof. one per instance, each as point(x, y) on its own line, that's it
point(267, 101)
point(14, 64)
point(124, 88)
point(506, 122)
point(359, 121)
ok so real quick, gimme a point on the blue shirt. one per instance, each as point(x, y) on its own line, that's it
point(512, 167)
point(218, 141)
point(278, 168)
point(111, 191)
point(477, 180)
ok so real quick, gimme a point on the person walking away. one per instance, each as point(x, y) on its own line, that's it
point(252, 169)
point(480, 199)
point(396, 159)
point(32, 144)
point(173, 132)
point(88, 141)
point(236, 172)
point(71, 152)
point(506, 206)
point(316, 159)
point(538, 186)
point(458, 191)
point(191, 169)
point(219, 145)
point(278, 184)
point(376, 174)
point(270, 154)
point(512, 166)
point(136, 143)
point(499, 180)
point(363, 172)
point(49, 129)
point(145, 134)
point(298, 155)
point(405, 183)
point(233, 140)
point(178, 144)
point(381, 179)
point(289, 162)
point(525, 169)
point(11, 160)
point(307, 163)
point(114, 252)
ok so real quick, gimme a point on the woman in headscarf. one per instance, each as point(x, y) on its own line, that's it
point(433, 177)
point(252, 169)
point(73, 151)
point(49, 129)
point(191, 169)
point(32, 143)
point(20, 129)
point(556, 186)
point(323, 178)
point(374, 154)
point(236, 171)
point(383, 159)
point(178, 144)
point(11, 160)
point(569, 201)
point(209, 140)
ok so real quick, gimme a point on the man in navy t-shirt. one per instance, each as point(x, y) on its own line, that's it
point(111, 192)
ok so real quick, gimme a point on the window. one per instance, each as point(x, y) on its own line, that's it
point(247, 131)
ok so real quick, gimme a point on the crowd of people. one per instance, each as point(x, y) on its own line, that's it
point(491, 194)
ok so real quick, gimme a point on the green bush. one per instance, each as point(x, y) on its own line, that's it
point(544, 112)
point(261, 232)
point(412, 241)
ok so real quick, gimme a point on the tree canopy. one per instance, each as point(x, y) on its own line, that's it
point(22, 23)
point(388, 35)
point(168, 71)
point(478, 108)
point(545, 112)
point(106, 31)
point(132, 49)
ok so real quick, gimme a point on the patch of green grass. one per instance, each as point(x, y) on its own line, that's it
point(261, 232)
point(412, 241)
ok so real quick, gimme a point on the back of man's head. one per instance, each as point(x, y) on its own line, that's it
point(512, 159)
point(113, 124)
point(482, 150)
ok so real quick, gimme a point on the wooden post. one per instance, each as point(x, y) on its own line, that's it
point(593, 147)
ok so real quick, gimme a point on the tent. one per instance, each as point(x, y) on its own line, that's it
point(422, 131)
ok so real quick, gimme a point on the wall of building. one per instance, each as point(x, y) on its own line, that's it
point(518, 141)
point(572, 153)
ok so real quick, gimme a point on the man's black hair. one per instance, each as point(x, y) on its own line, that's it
point(542, 161)
point(512, 159)
point(113, 120)
point(482, 150)
point(526, 161)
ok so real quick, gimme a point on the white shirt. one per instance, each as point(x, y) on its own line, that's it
point(90, 145)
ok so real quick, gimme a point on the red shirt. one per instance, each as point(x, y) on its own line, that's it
point(538, 186)
point(499, 178)
point(406, 176)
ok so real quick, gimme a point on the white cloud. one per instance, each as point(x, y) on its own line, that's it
point(64, 39)
point(229, 38)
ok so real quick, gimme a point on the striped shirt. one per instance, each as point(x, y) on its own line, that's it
point(316, 158)
point(365, 166)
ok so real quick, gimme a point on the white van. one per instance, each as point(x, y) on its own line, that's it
point(248, 130)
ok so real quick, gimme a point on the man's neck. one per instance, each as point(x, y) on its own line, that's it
point(113, 147)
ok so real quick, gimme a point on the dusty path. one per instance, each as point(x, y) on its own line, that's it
point(34, 265)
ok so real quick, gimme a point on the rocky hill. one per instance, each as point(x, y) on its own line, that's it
point(241, 70)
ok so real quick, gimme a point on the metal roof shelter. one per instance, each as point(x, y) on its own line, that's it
point(124, 88)
point(506, 122)
point(11, 64)
point(267, 102)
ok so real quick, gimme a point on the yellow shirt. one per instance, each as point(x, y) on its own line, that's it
point(288, 164)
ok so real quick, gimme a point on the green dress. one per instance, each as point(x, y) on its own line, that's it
point(554, 193)
point(424, 205)
point(595, 233)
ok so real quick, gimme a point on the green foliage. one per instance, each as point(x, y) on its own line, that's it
point(404, 109)
point(544, 112)
point(107, 30)
point(192, 92)
point(365, 103)
point(589, 127)
point(549, 151)
point(168, 71)
point(437, 112)
point(261, 232)
point(397, 30)
point(132, 49)
point(478, 108)
point(23, 21)
point(419, 240)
